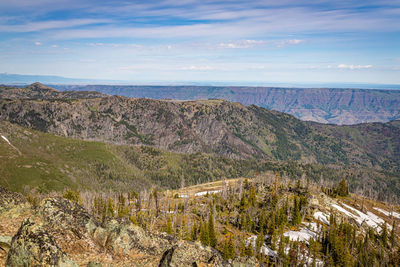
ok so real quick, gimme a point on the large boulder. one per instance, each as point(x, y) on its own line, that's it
point(63, 214)
point(186, 253)
point(34, 246)
point(9, 200)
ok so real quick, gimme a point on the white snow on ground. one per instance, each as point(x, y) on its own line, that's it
point(342, 210)
point(313, 226)
point(267, 251)
point(302, 235)
point(5, 138)
point(387, 213)
point(264, 248)
point(8, 142)
point(370, 219)
point(183, 196)
point(205, 192)
point(323, 217)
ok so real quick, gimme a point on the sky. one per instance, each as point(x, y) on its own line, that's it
point(287, 41)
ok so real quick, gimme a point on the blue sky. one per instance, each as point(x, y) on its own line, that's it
point(209, 41)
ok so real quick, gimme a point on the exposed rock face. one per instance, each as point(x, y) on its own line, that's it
point(13, 210)
point(62, 233)
point(9, 199)
point(191, 254)
point(34, 246)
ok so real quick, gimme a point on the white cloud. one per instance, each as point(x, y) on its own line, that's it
point(49, 25)
point(242, 44)
point(37, 43)
point(354, 67)
point(198, 68)
point(289, 42)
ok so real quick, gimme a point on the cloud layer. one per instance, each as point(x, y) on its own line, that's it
point(284, 40)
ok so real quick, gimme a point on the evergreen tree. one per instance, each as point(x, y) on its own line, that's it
point(168, 227)
point(242, 247)
point(228, 251)
point(211, 231)
point(384, 235)
point(259, 242)
point(296, 216)
point(249, 250)
point(343, 189)
point(194, 231)
point(204, 234)
point(110, 208)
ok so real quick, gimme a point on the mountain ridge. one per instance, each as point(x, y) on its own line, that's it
point(325, 105)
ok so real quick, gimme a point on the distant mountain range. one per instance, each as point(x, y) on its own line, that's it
point(325, 105)
point(244, 134)
point(18, 79)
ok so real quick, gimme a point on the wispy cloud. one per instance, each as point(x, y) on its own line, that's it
point(354, 67)
point(240, 44)
point(289, 42)
point(49, 25)
point(198, 68)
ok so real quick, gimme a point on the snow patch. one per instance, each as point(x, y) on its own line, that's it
point(206, 192)
point(302, 235)
point(387, 213)
point(5, 138)
point(370, 219)
point(323, 217)
point(264, 248)
point(8, 142)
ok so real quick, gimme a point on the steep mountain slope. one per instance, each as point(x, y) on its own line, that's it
point(32, 160)
point(210, 126)
point(325, 105)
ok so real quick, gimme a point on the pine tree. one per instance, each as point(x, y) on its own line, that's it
point(194, 232)
point(204, 234)
point(168, 227)
point(343, 189)
point(249, 250)
point(392, 235)
point(384, 235)
point(296, 217)
point(211, 231)
point(110, 208)
point(228, 251)
point(259, 242)
point(242, 247)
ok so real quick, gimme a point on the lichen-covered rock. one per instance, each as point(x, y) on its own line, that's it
point(191, 254)
point(34, 246)
point(64, 214)
point(123, 237)
point(9, 199)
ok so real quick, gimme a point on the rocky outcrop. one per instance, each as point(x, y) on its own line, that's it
point(191, 254)
point(62, 233)
point(9, 199)
point(33, 245)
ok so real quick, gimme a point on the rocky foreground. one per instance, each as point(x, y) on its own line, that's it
point(59, 232)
